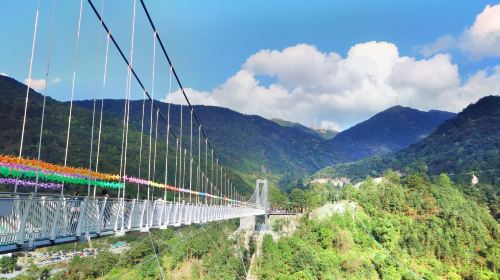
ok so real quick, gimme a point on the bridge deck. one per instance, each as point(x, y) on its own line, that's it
point(27, 221)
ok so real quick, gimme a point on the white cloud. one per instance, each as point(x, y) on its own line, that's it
point(3, 74)
point(290, 72)
point(341, 91)
point(35, 84)
point(480, 40)
point(195, 97)
point(443, 43)
point(56, 80)
point(331, 125)
point(426, 76)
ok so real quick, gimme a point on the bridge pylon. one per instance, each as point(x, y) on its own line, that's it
point(262, 200)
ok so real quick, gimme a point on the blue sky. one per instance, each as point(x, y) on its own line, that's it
point(211, 41)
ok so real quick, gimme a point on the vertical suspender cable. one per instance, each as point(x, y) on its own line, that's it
point(127, 101)
point(221, 186)
point(166, 166)
point(184, 172)
point(141, 140)
point(198, 180)
point(154, 155)
point(206, 168)
point(181, 182)
point(102, 106)
point(176, 162)
point(212, 175)
point(52, 16)
point(151, 109)
point(191, 158)
point(75, 63)
point(95, 95)
point(33, 43)
point(168, 131)
point(171, 65)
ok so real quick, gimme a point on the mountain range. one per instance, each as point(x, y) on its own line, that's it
point(248, 145)
point(468, 142)
point(326, 134)
point(388, 131)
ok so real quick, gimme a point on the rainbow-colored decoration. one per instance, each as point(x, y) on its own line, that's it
point(18, 171)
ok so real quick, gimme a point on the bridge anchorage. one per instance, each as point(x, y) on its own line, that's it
point(28, 221)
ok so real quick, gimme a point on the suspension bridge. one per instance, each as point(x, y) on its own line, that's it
point(192, 187)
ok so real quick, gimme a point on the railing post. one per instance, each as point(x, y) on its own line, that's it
point(187, 208)
point(169, 210)
point(82, 217)
point(24, 218)
point(162, 212)
point(44, 218)
point(131, 215)
point(181, 211)
point(100, 225)
point(144, 210)
point(152, 219)
point(57, 215)
point(176, 212)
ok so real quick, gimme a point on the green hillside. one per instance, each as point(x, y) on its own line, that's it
point(388, 131)
point(411, 228)
point(468, 143)
point(247, 145)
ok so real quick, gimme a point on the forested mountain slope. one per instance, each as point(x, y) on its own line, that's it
point(388, 131)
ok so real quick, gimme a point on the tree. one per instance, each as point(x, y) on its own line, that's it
point(298, 199)
point(8, 264)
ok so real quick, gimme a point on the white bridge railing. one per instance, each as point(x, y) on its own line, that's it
point(27, 221)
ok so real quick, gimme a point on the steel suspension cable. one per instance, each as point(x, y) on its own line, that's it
point(95, 96)
point(184, 173)
point(102, 106)
point(33, 44)
point(217, 247)
point(212, 177)
point(168, 131)
point(198, 179)
point(176, 162)
point(181, 180)
point(206, 168)
point(122, 54)
point(146, 11)
point(127, 113)
point(133, 73)
point(160, 42)
point(75, 64)
point(154, 155)
point(239, 252)
point(156, 255)
point(47, 70)
point(191, 157)
point(151, 108)
point(141, 141)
